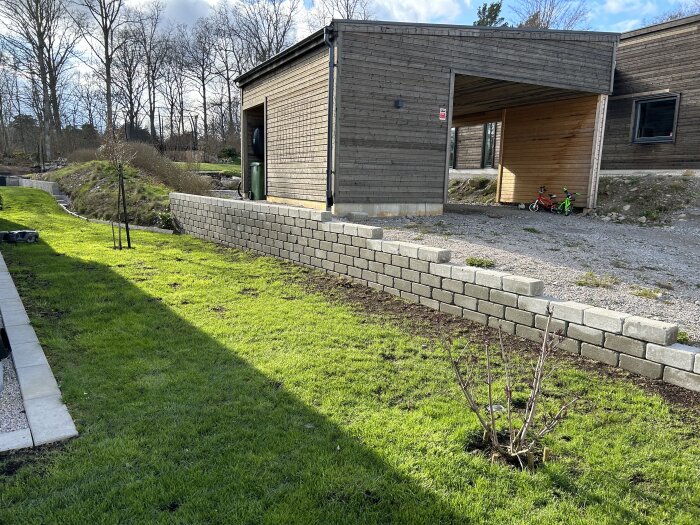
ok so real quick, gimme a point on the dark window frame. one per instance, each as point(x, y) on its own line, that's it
point(636, 104)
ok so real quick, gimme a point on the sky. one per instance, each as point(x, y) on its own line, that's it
point(606, 15)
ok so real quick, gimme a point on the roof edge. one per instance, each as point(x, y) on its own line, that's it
point(486, 29)
point(663, 26)
point(310, 43)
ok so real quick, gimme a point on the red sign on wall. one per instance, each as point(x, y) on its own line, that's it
point(443, 113)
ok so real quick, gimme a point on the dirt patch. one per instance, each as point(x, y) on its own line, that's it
point(474, 190)
point(425, 322)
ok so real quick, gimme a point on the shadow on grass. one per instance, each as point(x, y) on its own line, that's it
point(174, 423)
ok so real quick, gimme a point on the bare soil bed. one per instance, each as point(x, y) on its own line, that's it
point(643, 270)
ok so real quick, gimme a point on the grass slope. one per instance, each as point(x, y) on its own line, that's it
point(209, 387)
point(92, 187)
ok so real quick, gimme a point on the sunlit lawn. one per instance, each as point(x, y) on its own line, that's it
point(209, 386)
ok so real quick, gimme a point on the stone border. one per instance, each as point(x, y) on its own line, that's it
point(425, 275)
point(48, 418)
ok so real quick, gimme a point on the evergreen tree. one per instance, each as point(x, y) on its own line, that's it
point(490, 15)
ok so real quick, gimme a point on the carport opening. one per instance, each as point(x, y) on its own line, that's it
point(534, 135)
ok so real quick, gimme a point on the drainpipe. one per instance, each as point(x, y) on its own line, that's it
point(328, 37)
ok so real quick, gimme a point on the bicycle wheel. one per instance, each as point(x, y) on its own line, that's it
point(534, 206)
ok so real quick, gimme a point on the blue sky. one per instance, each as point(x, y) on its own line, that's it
point(606, 15)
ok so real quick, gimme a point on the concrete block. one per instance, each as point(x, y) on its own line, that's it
point(480, 292)
point(568, 311)
point(677, 356)
point(441, 270)
point(389, 269)
point(453, 286)
point(402, 285)
point(28, 354)
point(409, 250)
point(374, 244)
point(436, 255)
point(475, 317)
point(382, 257)
point(419, 266)
point(505, 298)
point(650, 330)
point(391, 247)
point(682, 378)
point(531, 334)
point(413, 298)
point(430, 303)
point(492, 309)
point(570, 346)
point(506, 327)
point(585, 333)
point(598, 353)
point(400, 260)
point(422, 290)
point(469, 303)
point(623, 344)
point(523, 285)
point(410, 275)
point(603, 319)
point(350, 229)
point(490, 278)
point(369, 232)
point(451, 309)
point(466, 274)
point(697, 364)
point(641, 366)
point(15, 440)
point(520, 316)
point(536, 305)
point(442, 296)
point(430, 280)
point(21, 334)
point(49, 420)
point(555, 325)
point(14, 317)
point(375, 286)
point(36, 381)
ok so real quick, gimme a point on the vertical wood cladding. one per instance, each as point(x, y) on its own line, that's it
point(297, 126)
point(666, 57)
point(397, 155)
point(548, 144)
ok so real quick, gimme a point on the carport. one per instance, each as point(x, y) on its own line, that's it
point(358, 117)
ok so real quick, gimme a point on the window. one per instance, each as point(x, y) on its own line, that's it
point(655, 119)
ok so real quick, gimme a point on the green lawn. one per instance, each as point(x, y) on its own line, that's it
point(232, 169)
point(209, 387)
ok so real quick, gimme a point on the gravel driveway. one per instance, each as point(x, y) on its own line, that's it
point(660, 263)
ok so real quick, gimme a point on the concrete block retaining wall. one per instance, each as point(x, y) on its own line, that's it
point(48, 187)
point(425, 275)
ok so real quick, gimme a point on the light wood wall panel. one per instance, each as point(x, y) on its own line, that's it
point(548, 144)
point(296, 128)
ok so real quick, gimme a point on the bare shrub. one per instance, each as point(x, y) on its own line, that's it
point(149, 160)
point(83, 155)
point(524, 429)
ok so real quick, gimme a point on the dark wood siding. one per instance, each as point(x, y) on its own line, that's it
point(468, 147)
point(651, 62)
point(395, 155)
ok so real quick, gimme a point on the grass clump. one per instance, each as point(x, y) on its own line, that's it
point(592, 280)
point(530, 229)
point(480, 262)
point(210, 385)
point(232, 169)
point(647, 293)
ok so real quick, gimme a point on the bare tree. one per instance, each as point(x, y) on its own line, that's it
point(107, 18)
point(682, 11)
point(200, 62)
point(551, 14)
point(323, 11)
point(154, 49)
point(267, 26)
point(129, 78)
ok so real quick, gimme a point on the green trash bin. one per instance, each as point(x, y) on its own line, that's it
point(257, 181)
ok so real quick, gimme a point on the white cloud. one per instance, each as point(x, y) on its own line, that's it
point(420, 10)
point(633, 7)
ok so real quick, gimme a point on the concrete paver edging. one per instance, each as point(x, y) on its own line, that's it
point(48, 417)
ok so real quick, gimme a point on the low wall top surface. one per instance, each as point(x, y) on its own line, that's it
point(425, 275)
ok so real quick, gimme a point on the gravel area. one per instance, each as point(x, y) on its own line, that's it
point(643, 270)
point(12, 415)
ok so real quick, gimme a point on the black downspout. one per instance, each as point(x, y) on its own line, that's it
point(328, 39)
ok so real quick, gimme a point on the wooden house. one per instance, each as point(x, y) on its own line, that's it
point(358, 117)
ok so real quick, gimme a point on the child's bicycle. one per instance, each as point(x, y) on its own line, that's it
point(566, 205)
point(544, 202)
